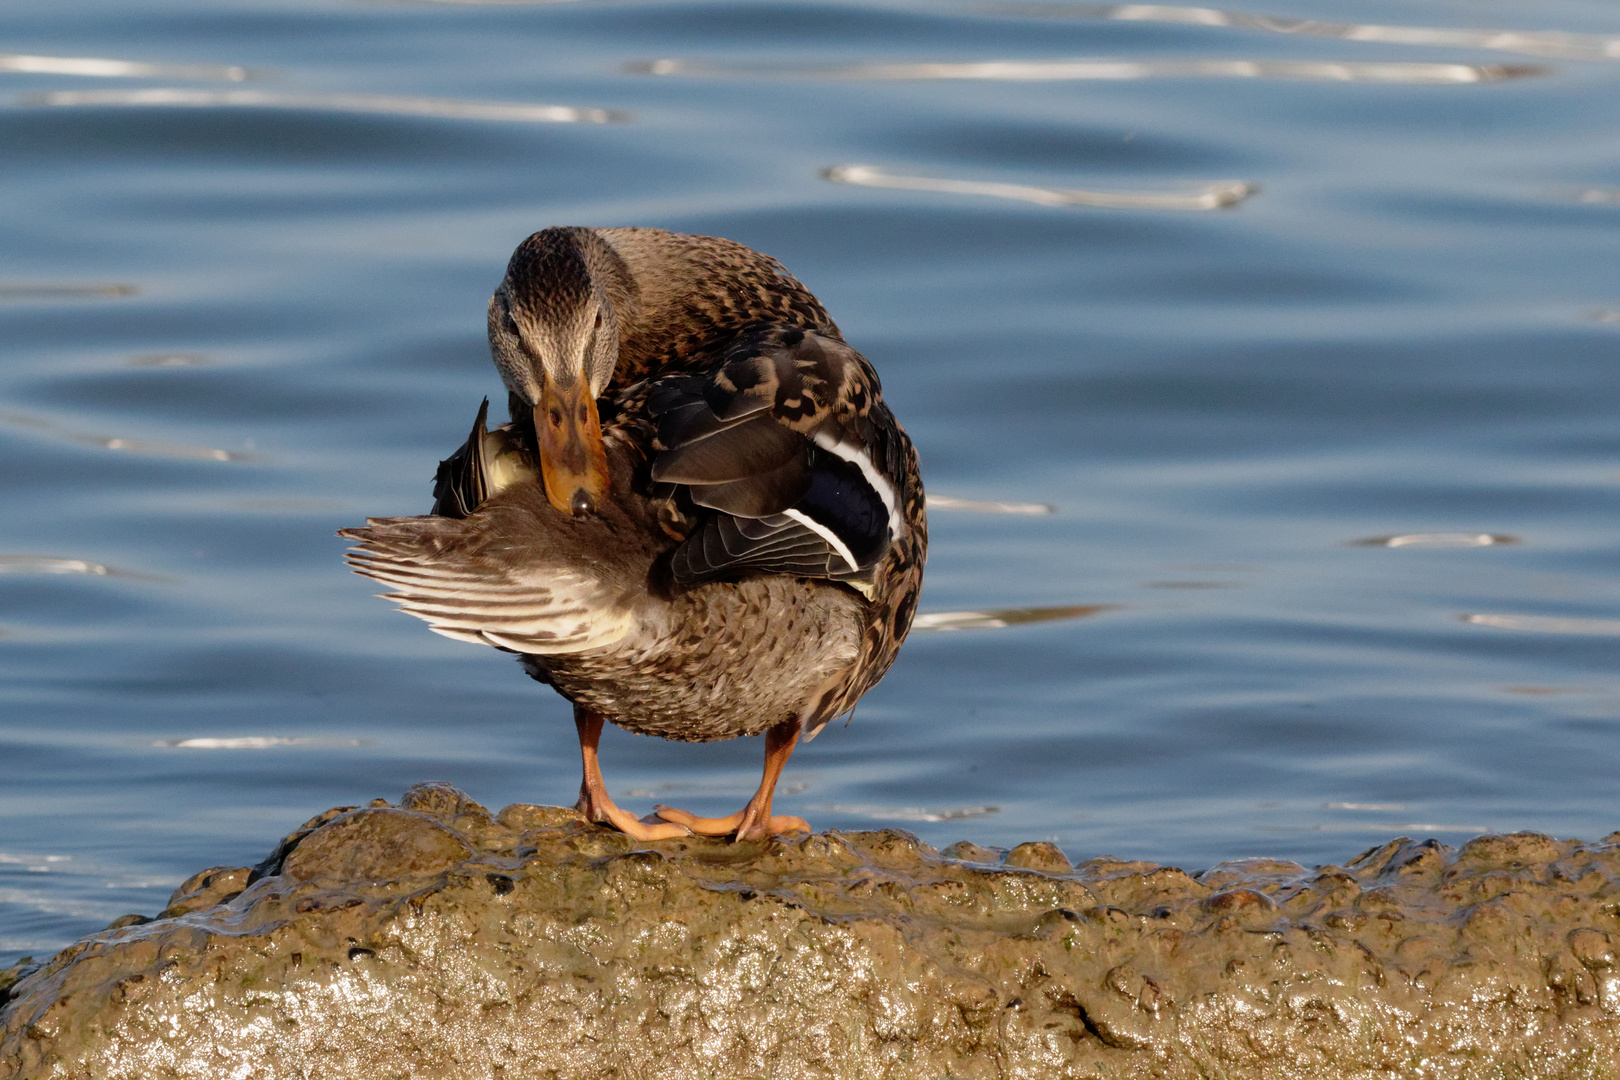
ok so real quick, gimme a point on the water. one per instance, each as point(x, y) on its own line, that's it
point(241, 305)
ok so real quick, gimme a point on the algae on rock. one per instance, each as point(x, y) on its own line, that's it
point(431, 938)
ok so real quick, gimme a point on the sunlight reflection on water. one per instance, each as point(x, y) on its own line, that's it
point(1276, 530)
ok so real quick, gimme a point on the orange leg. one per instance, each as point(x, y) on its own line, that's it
point(594, 801)
point(754, 821)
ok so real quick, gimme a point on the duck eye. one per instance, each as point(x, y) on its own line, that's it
point(598, 321)
point(511, 323)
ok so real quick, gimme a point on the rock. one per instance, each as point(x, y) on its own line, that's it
point(16, 973)
point(1039, 855)
point(434, 939)
point(202, 890)
point(380, 844)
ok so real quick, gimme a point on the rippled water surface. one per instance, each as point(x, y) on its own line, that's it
point(1264, 364)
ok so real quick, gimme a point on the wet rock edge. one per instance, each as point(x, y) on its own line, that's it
point(432, 936)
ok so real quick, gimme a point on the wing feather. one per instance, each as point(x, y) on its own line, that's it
point(781, 441)
point(442, 571)
point(755, 446)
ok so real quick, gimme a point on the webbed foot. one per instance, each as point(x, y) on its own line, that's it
point(594, 801)
point(757, 829)
point(604, 811)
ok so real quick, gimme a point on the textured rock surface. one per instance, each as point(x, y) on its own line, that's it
point(431, 939)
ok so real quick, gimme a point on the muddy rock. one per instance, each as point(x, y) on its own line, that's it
point(431, 938)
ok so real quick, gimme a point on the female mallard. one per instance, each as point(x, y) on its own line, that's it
point(702, 521)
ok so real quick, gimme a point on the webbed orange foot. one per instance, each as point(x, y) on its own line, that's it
point(594, 801)
point(606, 812)
point(755, 821)
point(759, 829)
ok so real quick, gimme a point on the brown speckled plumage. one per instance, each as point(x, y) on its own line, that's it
point(755, 565)
point(691, 295)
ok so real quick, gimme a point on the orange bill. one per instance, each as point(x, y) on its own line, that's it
point(573, 460)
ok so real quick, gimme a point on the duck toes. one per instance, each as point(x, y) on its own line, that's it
point(702, 521)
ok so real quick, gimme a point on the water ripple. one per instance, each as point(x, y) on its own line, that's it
point(168, 360)
point(117, 69)
point(52, 564)
point(1437, 540)
point(254, 742)
point(1106, 69)
point(127, 445)
point(946, 502)
point(45, 564)
point(488, 3)
point(1546, 624)
point(32, 290)
point(998, 618)
point(904, 813)
point(166, 97)
point(1220, 195)
point(1550, 44)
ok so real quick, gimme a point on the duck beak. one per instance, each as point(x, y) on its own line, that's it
point(573, 460)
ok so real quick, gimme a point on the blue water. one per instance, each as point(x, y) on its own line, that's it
point(242, 305)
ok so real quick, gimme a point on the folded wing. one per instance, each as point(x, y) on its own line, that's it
point(788, 443)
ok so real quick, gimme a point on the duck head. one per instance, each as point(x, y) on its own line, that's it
point(555, 340)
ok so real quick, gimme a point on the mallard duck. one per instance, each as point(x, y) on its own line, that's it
point(701, 522)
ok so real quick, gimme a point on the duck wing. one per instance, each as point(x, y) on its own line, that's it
point(469, 582)
point(496, 564)
point(788, 441)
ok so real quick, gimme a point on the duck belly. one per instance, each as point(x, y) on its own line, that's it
point(719, 660)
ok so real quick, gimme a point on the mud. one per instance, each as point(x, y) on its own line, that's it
point(434, 939)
